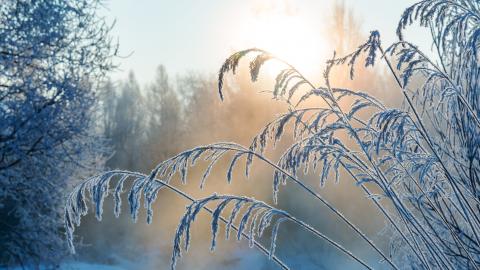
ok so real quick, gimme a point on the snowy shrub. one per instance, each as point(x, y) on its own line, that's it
point(52, 53)
point(418, 164)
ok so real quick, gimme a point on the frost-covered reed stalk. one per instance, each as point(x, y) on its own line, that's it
point(422, 157)
point(267, 216)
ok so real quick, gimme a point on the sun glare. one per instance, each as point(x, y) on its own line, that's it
point(289, 37)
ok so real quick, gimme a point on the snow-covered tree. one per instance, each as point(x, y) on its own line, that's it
point(52, 54)
point(165, 118)
point(123, 121)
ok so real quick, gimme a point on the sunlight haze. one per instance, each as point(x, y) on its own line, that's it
point(198, 35)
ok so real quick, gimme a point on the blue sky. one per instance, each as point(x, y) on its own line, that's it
point(197, 35)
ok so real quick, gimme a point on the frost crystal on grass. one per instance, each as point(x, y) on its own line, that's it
point(421, 159)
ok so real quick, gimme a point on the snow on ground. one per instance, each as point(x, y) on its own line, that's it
point(90, 266)
point(80, 266)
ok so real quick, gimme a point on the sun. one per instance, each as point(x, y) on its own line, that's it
point(287, 36)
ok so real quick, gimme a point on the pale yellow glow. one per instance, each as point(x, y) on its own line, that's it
point(287, 36)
